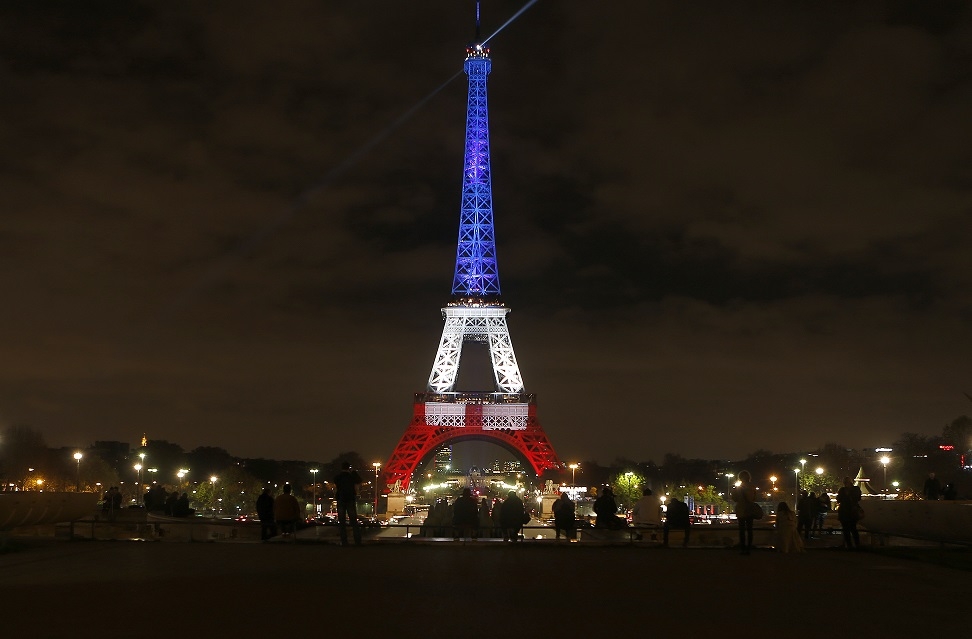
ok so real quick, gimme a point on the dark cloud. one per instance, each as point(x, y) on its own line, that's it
point(721, 227)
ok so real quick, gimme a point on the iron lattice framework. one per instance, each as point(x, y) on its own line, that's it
point(506, 416)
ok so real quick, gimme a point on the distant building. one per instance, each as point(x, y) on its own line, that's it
point(442, 462)
point(507, 466)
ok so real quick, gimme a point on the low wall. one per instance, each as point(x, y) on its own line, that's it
point(931, 520)
point(29, 508)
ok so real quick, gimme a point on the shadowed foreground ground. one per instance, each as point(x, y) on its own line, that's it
point(145, 589)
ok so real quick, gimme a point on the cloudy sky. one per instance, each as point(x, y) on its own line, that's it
point(721, 226)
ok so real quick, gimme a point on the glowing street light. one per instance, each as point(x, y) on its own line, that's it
point(573, 473)
point(77, 457)
point(138, 487)
point(803, 465)
point(377, 465)
point(796, 490)
point(729, 477)
point(213, 479)
point(884, 461)
point(773, 481)
point(314, 472)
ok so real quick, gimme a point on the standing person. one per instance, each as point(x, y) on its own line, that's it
point(465, 515)
point(563, 510)
point(812, 508)
point(512, 516)
point(823, 507)
point(848, 499)
point(787, 525)
point(745, 497)
point(264, 508)
point(485, 522)
point(345, 485)
point(646, 514)
point(932, 488)
point(677, 517)
point(496, 515)
point(286, 511)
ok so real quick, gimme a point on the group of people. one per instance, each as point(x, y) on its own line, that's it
point(933, 489)
point(467, 518)
point(283, 511)
point(795, 527)
point(156, 499)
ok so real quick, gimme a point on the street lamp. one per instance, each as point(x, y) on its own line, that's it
point(573, 474)
point(377, 465)
point(729, 477)
point(773, 481)
point(803, 464)
point(796, 490)
point(138, 486)
point(884, 461)
point(314, 475)
point(212, 480)
point(78, 456)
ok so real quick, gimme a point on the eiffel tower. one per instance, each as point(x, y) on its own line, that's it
point(506, 415)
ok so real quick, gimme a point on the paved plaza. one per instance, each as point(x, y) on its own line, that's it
point(59, 588)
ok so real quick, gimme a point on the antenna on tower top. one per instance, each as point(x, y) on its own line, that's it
point(477, 20)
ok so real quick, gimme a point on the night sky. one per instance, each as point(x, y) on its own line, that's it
point(721, 226)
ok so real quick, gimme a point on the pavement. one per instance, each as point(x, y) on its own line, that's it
point(64, 588)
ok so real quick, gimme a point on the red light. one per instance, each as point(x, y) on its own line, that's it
point(947, 447)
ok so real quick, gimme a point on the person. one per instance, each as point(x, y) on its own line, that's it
point(745, 496)
point(171, 502)
point(786, 523)
point(465, 515)
point(182, 506)
point(848, 512)
point(950, 493)
point(563, 511)
point(286, 511)
point(809, 514)
point(823, 508)
point(345, 487)
point(485, 522)
point(496, 515)
point(512, 516)
point(932, 488)
point(677, 517)
point(264, 508)
point(646, 514)
point(606, 510)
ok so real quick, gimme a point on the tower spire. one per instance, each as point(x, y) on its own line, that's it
point(477, 274)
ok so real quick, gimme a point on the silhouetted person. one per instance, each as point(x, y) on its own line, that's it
point(932, 489)
point(949, 493)
point(465, 515)
point(496, 515)
point(264, 508)
point(848, 512)
point(745, 497)
point(182, 506)
point(512, 516)
point(823, 507)
point(677, 518)
point(286, 511)
point(485, 521)
point(606, 510)
point(171, 503)
point(563, 512)
point(346, 483)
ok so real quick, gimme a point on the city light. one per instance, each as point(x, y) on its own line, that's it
point(77, 457)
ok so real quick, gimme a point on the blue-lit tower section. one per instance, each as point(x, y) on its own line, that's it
point(477, 275)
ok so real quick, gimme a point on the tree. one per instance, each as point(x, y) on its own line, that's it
point(627, 487)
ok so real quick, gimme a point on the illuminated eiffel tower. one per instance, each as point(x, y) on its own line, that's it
point(506, 415)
